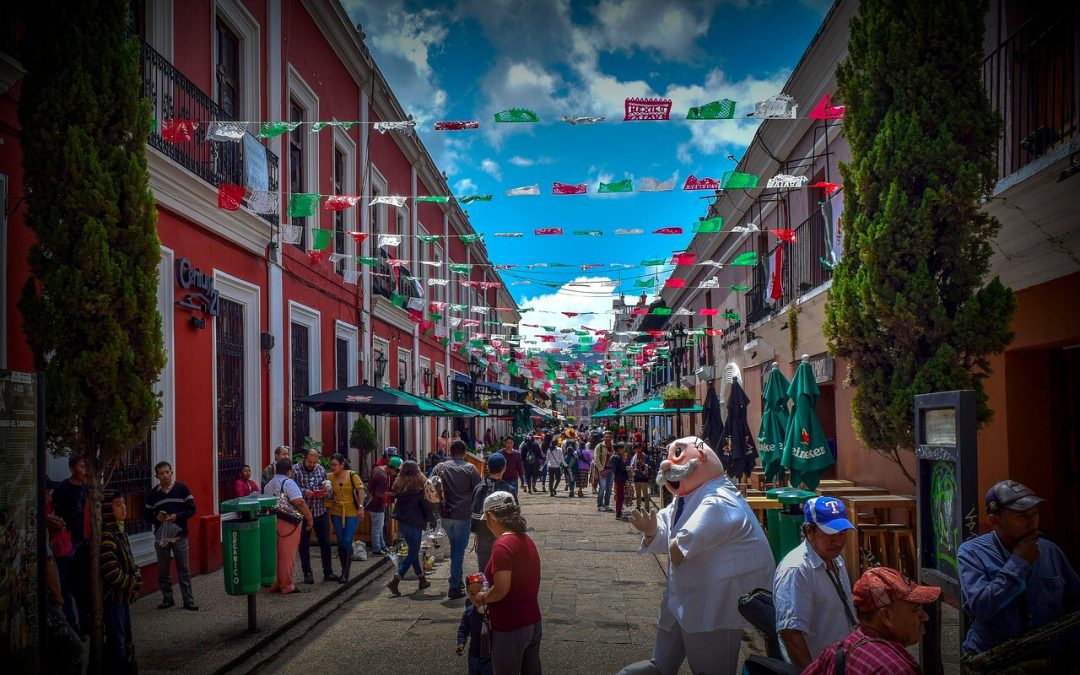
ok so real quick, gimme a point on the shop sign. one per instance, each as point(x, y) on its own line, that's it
point(201, 295)
point(823, 367)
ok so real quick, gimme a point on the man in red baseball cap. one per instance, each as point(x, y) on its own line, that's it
point(891, 618)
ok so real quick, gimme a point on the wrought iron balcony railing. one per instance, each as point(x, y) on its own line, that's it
point(802, 269)
point(1031, 79)
point(386, 283)
point(172, 95)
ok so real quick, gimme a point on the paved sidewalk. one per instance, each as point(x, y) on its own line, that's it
point(174, 639)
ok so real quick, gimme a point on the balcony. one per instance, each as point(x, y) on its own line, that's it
point(384, 283)
point(1031, 80)
point(801, 270)
point(174, 96)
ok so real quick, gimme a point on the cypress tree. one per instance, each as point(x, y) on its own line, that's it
point(910, 306)
point(90, 306)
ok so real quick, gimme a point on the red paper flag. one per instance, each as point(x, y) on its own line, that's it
point(416, 316)
point(787, 236)
point(668, 230)
point(570, 314)
point(825, 110)
point(684, 258)
point(456, 126)
point(708, 312)
point(675, 282)
point(829, 188)
point(229, 196)
point(177, 131)
point(558, 188)
point(358, 237)
point(547, 230)
point(776, 288)
point(547, 338)
point(639, 312)
point(713, 331)
point(340, 202)
point(695, 183)
point(318, 256)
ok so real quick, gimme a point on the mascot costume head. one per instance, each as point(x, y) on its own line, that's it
point(690, 463)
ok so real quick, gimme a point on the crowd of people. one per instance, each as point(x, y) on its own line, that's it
point(1012, 579)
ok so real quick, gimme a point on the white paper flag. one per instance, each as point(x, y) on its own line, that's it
point(438, 282)
point(455, 321)
point(682, 311)
point(337, 257)
point(779, 107)
point(263, 202)
point(536, 265)
point(291, 234)
point(521, 283)
point(508, 234)
point(392, 200)
point(653, 185)
point(389, 240)
point(709, 283)
point(480, 309)
point(431, 263)
point(524, 191)
point(582, 119)
point(416, 303)
point(226, 131)
point(351, 276)
point(783, 180)
point(632, 230)
point(383, 127)
point(749, 227)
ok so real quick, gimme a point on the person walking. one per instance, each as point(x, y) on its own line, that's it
point(345, 500)
point(288, 533)
point(569, 461)
point(457, 480)
point(496, 465)
point(280, 453)
point(515, 468)
point(582, 463)
point(545, 445)
point(168, 506)
point(379, 483)
point(244, 486)
point(642, 471)
point(601, 453)
point(619, 474)
point(513, 601)
point(553, 462)
point(413, 513)
point(311, 477)
point(120, 584)
point(530, 456)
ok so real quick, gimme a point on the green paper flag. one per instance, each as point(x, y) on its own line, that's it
point(588, 233)
point(435, 317)
point(645, 283)
point(621, 186)
point(662, 311)
point(717, 110)
point(516, 115)
point(550, 329)
point(549, 285)
point(736, 179)
point(428, 238)
point(320, 239)
point(319, 126)
point(749, 258)
point(460, 268)
point(303, 204)
point(370, 262)
point(398, 300)
point(476, 343)
point(739, 288)
point(444, 342)
point(469, 199)
point(652, 262)
point(710, 225)
point(433, 199)
point(731, 315)
point(458, 308)
point(271, 129)
point(459, 335)
point(471, 238)
point(559, 265)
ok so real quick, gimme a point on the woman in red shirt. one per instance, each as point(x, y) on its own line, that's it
point(244, 486)
point(513, 601)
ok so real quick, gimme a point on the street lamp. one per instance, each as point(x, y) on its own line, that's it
point(380, 367)
point(677, 342)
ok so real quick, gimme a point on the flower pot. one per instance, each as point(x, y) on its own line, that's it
point(679, 403)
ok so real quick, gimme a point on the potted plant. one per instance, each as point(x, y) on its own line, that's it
point(677, 397)
point(363, 438)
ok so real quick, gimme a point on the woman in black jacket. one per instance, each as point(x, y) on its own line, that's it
point(413, 513)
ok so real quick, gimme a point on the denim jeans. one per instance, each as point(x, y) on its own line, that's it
point(570, 475)
point(457, 531)
point(377, 541)
point(554, 474)
point(179, 550)
point(479, 665)
point(118, 637)
point(412, 536)
point(603, 497)
point(321, 525)
point(345, 531)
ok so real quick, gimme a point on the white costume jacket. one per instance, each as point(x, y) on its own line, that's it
point(725, 555)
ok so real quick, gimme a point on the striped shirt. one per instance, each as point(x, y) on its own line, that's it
point(867, 654)
point(120, 576)
point(176, 501)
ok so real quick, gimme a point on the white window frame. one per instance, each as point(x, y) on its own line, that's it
point(306, 316)
point(247, 294)
point(378, 344)
point(345, 144)
point(351, 334)
point(378, 183)
point(405, 355)
point(236, 17)
point(302, 93)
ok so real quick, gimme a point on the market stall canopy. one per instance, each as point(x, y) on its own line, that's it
point(363, 399)
point(806, 452)
point(542, 412)
point(505, 404)
point(606, 412)
point(654, 406)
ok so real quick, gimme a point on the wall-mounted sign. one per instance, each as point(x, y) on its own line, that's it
point(823, 367)
point(201, 295)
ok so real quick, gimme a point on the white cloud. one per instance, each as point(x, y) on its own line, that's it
point(465, 186)
point(669, 29)
point(491, 167)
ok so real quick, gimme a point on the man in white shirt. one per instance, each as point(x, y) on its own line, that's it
point(811, 590)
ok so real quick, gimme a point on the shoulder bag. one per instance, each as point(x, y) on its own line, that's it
point(284, 509)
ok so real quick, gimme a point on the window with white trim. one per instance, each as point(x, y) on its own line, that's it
point(304, 372)
point(236, 59)
point(303, 149)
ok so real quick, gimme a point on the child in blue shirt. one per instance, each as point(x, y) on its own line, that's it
point(472, 628)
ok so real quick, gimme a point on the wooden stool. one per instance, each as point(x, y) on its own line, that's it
point(903, 540)
point(873, 537)
point(866, 518)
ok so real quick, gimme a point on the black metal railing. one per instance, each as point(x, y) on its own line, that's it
point(386, 283)
point(174, 96)
point(1031, 79)
point(802, 269)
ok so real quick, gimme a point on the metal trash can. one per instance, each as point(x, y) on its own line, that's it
point(242, 546)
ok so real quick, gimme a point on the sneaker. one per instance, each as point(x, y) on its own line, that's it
point(309, 579)
point(165, 604)
point(191, 607)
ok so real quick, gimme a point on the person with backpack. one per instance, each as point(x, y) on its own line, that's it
point(569, 461)
point(345, 504)
point(553, 462)
point(531, 456)
point(496, 466)
point(456, 479)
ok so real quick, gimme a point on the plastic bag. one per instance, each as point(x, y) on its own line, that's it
point(167, 533)
point(359, 551)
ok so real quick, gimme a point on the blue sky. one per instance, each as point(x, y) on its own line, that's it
point(471, 59)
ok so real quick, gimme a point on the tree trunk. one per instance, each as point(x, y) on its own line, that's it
point(97, 625)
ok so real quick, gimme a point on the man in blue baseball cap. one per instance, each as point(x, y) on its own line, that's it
point(811, 590)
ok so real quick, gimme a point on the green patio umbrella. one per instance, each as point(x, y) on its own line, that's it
point(806, 452)
point(774, 421)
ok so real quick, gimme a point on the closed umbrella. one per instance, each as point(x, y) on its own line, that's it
point(738, 452)
point(806, 452)
point(774, 421)
point(712, 419)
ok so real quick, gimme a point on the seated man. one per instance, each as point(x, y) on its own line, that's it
point(1011, 580)
point(891, 618)
point(811, 590)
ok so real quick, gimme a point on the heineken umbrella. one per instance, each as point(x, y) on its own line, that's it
point(712, 423)
point(774, 420)
point(654, 406)
point(738, 453)
point(806, 452)
point(363, 399)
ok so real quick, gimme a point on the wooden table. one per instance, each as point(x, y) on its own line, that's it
point(853, 504)
point(836, 483)
point(762, 504)
point(851, 491)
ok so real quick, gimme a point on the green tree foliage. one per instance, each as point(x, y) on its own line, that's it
point(910, 307)
point(363, 436)
point(90, 306)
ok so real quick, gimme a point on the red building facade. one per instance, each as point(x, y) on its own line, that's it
point(273, 325)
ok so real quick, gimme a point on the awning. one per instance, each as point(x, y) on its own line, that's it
point(363, 399)
point(466, 411)
point(606, 412)
point(655, 406)
point(542, 412)
point(428, 407)
point(505, 404)
point(497, 386)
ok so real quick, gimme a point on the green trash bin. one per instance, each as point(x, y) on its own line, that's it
point(241, 544)
point(785, 523)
